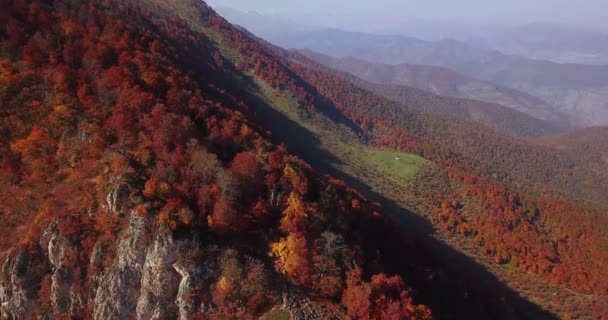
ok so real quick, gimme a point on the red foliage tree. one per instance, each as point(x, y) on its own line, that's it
point(246, 168)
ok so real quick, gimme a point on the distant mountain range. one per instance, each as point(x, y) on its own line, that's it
point(443, 82)
point(538, 40)
point(580, 91)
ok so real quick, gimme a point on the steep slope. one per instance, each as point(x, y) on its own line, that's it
point(478, 215)
point(442, 82)
point(134, 186)
point(294, 111)
point(492, 115)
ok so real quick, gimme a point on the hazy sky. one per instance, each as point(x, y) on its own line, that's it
point(594, 12)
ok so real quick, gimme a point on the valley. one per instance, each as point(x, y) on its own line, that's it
point(378, 175)
point(157, 161)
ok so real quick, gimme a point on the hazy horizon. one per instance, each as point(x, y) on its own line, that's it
point(385, 14)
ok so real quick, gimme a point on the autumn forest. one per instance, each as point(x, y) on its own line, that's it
point(145, 174)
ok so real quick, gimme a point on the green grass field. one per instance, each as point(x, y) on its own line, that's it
point(401, 165)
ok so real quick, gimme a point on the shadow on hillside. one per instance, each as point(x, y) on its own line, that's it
point(461, 287)
point(326, 107)
point(454, 285)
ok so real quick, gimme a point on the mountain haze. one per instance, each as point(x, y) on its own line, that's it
point(550, 41)
point(399, 82)
point(578, 90)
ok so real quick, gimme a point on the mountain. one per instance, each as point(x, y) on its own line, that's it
point(408, 24)
point(473, 206)
point(577, 90)
point(467, 209)
point(150, 170)
point(357, 135)
point(458, 141)
point(135, 186)
point(264, 23)
point(429, 89)
point(580, 91)
point(561, 43)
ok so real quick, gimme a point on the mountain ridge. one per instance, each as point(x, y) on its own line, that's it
point(419, 96)
point(149, 193)
point(575, 89)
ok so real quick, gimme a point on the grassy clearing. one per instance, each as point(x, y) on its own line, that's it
point(402, 165)
point(373, 167)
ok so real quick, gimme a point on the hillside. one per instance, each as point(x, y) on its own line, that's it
point(447, 83)
point(589, 144)
point(495, 116)
point(134, 187)
point(449, 141)
point(145, 177)
point(315, 124)
point(345, 114)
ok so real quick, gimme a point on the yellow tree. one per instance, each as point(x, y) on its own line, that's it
point(292, 258)
point(294, 216)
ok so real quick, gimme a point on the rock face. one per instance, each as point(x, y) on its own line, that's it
point(65, 300)
point(160, 281)
point(118, 286)
point(145, 280)
point(19, 281)
point(145, 272)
